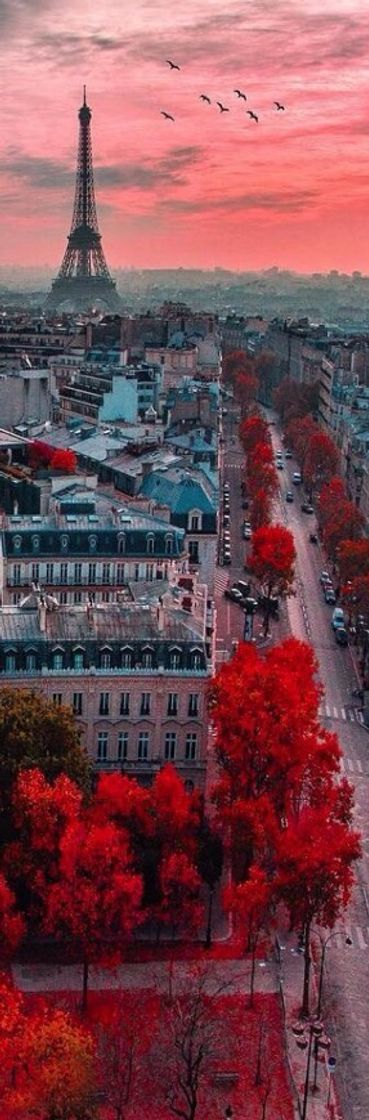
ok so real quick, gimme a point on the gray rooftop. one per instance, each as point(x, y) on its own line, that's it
point(103, 622)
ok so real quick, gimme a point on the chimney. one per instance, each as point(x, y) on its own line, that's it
point(160, 615)
point(42, 613)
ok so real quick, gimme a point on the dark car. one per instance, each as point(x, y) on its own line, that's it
point(245, 503)
point(288, 454)
point(289, 496)
point(330, 596)
point(341, 636)
point(233, 593)
point(313, 538)
point(306, 507)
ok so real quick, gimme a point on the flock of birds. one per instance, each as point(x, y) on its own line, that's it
point(222, 108)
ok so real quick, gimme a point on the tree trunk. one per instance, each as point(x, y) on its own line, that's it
point(306, 985)
point(210, 915)
point(85, 987)
point(252, 976)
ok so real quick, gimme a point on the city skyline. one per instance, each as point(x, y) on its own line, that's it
point(207, 189)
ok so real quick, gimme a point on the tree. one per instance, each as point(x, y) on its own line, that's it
point(125, 1027)
point(251, 902)
point(39, 454)
point(321, 461)
point(260, 510)
point(353, 560)
point(34, 733)
point(294, 400)
point(246, 387)
point(315, 870)
point(64, 461)
point(253, 430)
point(347, 521)
point(180, 905)
point(266, 366)
point(237, 362)
point(298, 434)
point(331, 497)
point(272, 562)
point(12, 927)
point(96, 897)
point(209, 865)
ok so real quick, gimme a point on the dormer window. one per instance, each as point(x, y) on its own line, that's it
point(58, 659)
point(121, 543)
point(150, 544)
point(78, 659)
point(196, 659)
point(17, 543)
point(35, 543)
point(175, 658)
point(64, 542)
point(126, 658)
point(31, 660)
point(105, 659)
point(169, 545)
point(10, 661)
point(92, 543)
point(147, 658)
point(194, 521)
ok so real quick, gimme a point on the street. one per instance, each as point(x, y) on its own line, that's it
point(308, 617)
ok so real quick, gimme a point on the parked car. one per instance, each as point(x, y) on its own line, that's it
point(330, 596)
point(245, 503)
point(243, 587)
point(313, 538)
point(306, 507)
point(338, 618)
point(341, 636)
point(247, 531)
point(226, 520)
point(325, 577)
point(279, 464)
point(227, 557)
point(296, 478)
point(233, 593)
point(288, 454)
point(289, 496)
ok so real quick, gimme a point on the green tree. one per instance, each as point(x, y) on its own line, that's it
point(36, 733)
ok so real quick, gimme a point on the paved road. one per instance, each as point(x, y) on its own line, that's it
point(347, 968)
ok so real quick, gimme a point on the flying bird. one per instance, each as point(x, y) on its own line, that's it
point(278, 104)
point(240, 94)
point(222, 108)
point(167, 116)
point(252, 115)
point(173, 65)
point(204, 97)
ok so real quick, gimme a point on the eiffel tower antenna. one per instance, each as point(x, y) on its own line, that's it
point(84, 278)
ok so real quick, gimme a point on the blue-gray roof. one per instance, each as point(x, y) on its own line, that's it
point(177, 490)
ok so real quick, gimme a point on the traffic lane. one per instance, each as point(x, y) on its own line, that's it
point(346, 1009)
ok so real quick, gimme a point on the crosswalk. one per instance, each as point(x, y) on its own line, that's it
point(221, 579)
point(346, 715)
point(353, 766)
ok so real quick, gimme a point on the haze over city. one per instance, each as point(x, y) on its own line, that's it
point(207, 188)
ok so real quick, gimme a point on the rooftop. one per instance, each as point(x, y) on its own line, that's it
point(102, 622)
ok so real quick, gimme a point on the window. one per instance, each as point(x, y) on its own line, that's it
point(58, 659)
point(35, 573)
point(149, 572)
point(35, 544)
point(31, 661)
point(150, 545)
point(77, 597)
point(105, 659)
point(146, 659)
point(120, 573)
point(104, 703)
point(169, 546)
point(49, 573)
point(193, 704)
point(145, 703)
point(193, 551)
point(16, 598)
point(106, 573)
point(170, 746)
point(102, 746)
point(92, 573)
point(196, 659)
point(122, 746)
point(175, 659)
point(77, 573)
point(92, 544)
point(10, 662)
point(57, 699)
point(191, 746)
point(126, 659)
point(77, 703)
point(64, 542)
point(63, 597)
point(137, 573)
point(172, 709)
point(194, 522)
point(121, 543)
point(124, 703)
point(16, 574)
point(78, 659)
point(64, 573)
point(17, 543)
point(143, 745)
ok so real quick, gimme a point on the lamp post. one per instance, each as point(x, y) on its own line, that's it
point(315, 1030)
point(324, 945)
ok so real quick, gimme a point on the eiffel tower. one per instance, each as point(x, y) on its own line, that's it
point(84, 278)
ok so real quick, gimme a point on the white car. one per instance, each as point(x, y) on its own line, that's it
point(247, 531)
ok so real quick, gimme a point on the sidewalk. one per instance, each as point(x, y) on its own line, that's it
point(290, 970)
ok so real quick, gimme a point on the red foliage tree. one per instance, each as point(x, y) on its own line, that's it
point(298, 435)
point(353, 560)
point(347, 521)
point(315, 875)
point(236, 362)
point(180, 905)
point(260, 510)
point(331, 497)
point(321, 461)
point(272, 562)
point(39, 454)
point(246, 387)
point(253, 430)
point(64, 461)
point(96, 898)
point(251, 903)
point(293, 401)
point(12, 926)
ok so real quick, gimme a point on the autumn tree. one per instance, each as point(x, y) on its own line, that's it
point(331, 497)
point(353, 560)
point(39, 454)
point(64, 461)
point(95, 900)
point(346, 522)
point(321, 461)
point(236, 362)
point(12, 926)
point(315, 859)
point(125, 1027)
point(179, 906)
point(252, 431)
point(294, 400)
point(246, 387)
point(251, 904)
point(209, 860)
point(266, 367)
point(34, 733)
point(299, 432)
point(272, 562)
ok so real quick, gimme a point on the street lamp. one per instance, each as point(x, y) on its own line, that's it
point(315, 1030)
point(324, 945)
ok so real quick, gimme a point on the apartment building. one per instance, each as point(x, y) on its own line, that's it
point(134, 674)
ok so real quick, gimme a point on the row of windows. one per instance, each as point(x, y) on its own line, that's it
point(126, 658)
point(86, 573)
point(142, 746)
point(64, 541)
point(144, 707)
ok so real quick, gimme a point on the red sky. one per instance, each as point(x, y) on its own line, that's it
point(207, 189)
